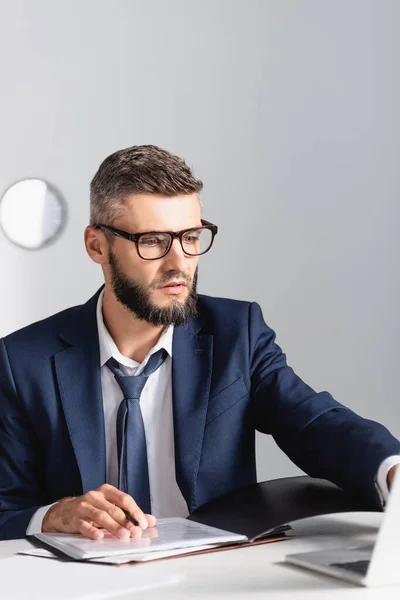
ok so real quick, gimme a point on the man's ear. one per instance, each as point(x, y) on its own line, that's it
point(96, 244)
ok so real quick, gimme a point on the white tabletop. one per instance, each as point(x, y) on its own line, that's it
point(248, 573)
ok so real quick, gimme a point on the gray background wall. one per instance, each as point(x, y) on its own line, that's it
point(288, 110)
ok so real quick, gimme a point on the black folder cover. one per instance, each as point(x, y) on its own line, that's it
point(261, 509)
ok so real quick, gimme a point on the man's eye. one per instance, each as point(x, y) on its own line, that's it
point(192, 237)
point(152, 241)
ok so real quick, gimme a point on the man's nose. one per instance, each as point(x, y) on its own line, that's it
point(176, 259)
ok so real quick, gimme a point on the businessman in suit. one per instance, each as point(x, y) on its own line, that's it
point(145, 400)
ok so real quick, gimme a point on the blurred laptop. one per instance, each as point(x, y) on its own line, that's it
point(375, 565)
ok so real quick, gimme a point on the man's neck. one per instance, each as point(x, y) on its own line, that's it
point(134, 338)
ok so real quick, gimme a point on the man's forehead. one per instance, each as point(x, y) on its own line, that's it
point(153, 212)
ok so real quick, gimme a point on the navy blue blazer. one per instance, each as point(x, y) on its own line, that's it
point(229, 378)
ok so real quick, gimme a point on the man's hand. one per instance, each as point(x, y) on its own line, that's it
point(96, 510)
point(390, 476)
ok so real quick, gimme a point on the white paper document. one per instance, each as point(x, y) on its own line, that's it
point(169, 534)
point(32, 578)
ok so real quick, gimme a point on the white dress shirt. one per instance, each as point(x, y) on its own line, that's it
point(156, 405)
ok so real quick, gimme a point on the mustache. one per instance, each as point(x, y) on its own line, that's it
point(171, 278)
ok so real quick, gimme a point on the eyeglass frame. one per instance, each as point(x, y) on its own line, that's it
point(135, 237)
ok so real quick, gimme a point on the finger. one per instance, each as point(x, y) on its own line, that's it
point(101, 516)
point(151, 520)
point(126, 502)
point(136, 532)
point(97, 499)
point(128, 526)
point(86, 529)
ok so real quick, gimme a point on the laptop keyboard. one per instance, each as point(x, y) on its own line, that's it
point(357, 566)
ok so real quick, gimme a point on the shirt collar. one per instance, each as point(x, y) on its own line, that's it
point(108, 347)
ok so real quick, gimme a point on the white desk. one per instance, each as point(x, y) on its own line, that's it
point(249, 573)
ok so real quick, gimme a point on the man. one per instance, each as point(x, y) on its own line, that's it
point(145, 400)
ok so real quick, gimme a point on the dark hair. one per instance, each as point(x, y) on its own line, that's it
point(137, 170)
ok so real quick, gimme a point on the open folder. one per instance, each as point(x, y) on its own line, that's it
point(171, 537)
point(255, 514)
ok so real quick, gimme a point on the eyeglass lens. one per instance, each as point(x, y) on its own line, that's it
point(155, 245)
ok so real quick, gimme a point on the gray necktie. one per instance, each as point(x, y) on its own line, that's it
point(133, 474)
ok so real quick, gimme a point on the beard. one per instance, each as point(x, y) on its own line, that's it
point(137, 297)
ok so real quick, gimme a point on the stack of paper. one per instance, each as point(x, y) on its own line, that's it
point(170, 537)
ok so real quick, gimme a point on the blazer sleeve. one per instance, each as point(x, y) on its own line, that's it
point(21, 459)
point(320, 435)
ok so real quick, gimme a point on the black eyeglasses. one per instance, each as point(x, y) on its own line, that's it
point(152, 245)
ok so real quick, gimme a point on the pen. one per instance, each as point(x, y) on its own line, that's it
point(130, 518)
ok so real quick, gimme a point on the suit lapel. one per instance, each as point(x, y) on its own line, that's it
point(79, 381)
point(191, 379)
